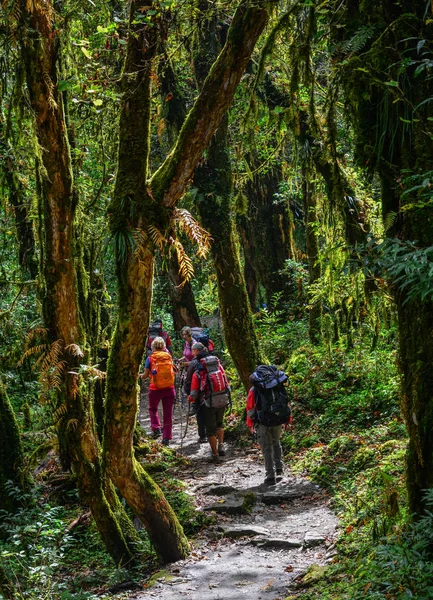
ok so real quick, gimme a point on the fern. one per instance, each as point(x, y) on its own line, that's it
point(358, 41)
point(186, 269)
point(194, 231)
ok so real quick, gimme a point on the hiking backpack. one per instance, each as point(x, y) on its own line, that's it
point(162, 370)
point(201, 334)
point(272, 402)
point(214, 387)
point(155, 330)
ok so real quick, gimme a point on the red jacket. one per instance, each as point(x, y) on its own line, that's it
point(198, 383)
point(251, 404)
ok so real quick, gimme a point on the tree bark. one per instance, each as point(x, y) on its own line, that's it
point(395, 140)
point(271, 229)
point(11, 452)
point(24, 228)
point(213, 178)
point(59, 298)
point(137, 211)
point(312, 245)
point(184, 309)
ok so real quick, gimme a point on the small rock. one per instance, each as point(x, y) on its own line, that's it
point(245, 530)
point(219, 490)
point(232, 505)
point(313, 539)
point(278, 543)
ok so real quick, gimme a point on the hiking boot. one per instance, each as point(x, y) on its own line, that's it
point(202, 440)
point(279, 472)
point(270, 481)
point(156, 433)
point(165, 442)
point(214, 459)
point(221, 450)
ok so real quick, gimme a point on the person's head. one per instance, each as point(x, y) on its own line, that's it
point(158, 344)
point(186, 333)
point(197, 348)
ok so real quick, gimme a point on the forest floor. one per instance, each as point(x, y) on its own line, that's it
point(262, 543)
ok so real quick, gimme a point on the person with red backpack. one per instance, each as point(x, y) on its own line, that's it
point(160, 368)
point(209, 386)
point(198, 351)
point(155, 330)
point(268, 410)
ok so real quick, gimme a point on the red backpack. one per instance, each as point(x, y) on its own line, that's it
point(214, 387)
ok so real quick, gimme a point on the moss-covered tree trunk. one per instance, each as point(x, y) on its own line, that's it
point(23, 223)
point(143, 208)
point(213, 179)
point(174, 111)
point(11, 452)
point(249, 256)
point(312, 246)
point(388, 100)
point(183, 306)
point(271, 229)
point(60, 306)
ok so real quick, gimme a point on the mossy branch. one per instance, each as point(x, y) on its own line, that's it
point(171, 179)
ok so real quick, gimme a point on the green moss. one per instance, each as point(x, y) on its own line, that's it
point(11, 452)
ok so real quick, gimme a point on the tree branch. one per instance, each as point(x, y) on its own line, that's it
point(170, 180)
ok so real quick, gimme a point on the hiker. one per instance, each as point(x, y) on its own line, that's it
point(188, 355)
point(198, 351)
point(210, 387)
point(159, 367)
point(156, 330)
point(201, 334)
point(267, 411)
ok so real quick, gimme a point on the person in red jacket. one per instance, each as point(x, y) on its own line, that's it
point(268, 439)
point(212, 404)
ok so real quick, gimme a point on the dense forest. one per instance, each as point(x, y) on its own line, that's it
point(260, 168)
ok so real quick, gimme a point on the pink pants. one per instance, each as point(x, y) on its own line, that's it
point(167, 396)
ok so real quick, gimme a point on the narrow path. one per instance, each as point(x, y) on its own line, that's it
point(263, 538)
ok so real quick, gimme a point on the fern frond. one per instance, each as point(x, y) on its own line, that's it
point(96, 373)
point(31, 351)
point(195, 232)
point(158, 240)
point(59, 413)
point(186, 269)
point(75, 387)
point(140, 240)
point(75, 350)
point(72, 424)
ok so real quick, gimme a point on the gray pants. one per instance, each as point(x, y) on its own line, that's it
point(269, 440)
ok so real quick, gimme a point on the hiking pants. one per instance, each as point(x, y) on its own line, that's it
point(269, 440)
point(213, 418)
point(201, 426)
point(167, 396)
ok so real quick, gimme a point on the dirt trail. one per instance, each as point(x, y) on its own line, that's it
point(263, 538)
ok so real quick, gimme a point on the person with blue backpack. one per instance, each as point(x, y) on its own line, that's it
point(268, 410)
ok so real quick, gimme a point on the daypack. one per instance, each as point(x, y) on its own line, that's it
point(155, 330)
point(201, 334)
point(161, 370)
point(272, 402)
point(214, 387)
